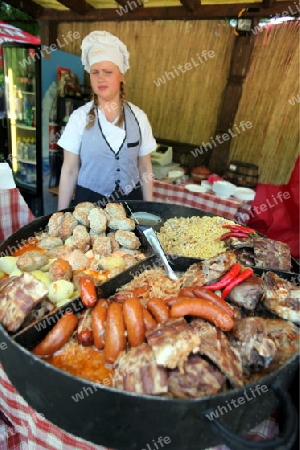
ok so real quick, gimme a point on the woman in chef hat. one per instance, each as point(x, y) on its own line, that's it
point(107, 142)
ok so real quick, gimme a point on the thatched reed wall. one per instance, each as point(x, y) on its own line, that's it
point(185, 106)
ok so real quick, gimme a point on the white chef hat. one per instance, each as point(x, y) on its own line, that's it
point(102, 46)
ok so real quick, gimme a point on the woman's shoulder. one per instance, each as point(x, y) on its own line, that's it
point(138, 112)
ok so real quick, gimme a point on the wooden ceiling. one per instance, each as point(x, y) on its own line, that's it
point(105, 10)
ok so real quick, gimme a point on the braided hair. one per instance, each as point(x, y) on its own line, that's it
point(92, 116)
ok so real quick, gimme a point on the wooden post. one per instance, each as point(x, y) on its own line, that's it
point(239, 65)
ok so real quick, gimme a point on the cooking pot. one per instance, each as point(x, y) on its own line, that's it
point(128, 421)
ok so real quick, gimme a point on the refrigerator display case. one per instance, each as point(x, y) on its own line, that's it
point(22, 81)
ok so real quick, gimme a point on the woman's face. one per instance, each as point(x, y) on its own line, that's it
point(105, 80)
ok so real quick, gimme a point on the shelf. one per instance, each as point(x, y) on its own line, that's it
point(25, 127)
point(26, 161)
point(23, 185)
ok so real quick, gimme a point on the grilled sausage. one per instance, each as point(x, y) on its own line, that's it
point(149, 320)
point(115, 341)
point(58, 336)
point(85, 333)
point(134, 321)
point(186, 292)
point(204, 309)
point(158, 309)
point(87, 291)
point(98, 315)
point(201, 292)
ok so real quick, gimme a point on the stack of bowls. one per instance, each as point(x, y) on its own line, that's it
point(223, 189)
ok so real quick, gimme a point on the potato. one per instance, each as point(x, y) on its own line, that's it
point(8, 263)
point(67, 300)
point(60, 290)
point(2, 274)
point(112, 262)
point(16, 272)
point(45, 268)
point(42, 276)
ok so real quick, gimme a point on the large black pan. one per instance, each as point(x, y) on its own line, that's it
point(128, 421)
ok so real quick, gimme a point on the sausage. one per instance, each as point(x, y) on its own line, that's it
point(186, 292)
point(149, 320)
point(134, 321)
point(115, 341)
point(171, 300)
point(137, 292)
point(58, 336)
point(85, 334)
point(204, 309)
point(158, 309)
point(98, 316)
point(202, 292)
point(87, 291)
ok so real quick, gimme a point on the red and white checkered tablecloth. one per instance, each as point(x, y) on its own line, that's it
point(166, 192)
point(14, 212)
point(22, 428)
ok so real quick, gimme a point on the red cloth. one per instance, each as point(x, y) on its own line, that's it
point(276, 211)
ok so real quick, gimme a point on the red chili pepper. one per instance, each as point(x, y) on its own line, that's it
point(230, 275)
point(238, 234)
point(237, 280)
point(239, 228)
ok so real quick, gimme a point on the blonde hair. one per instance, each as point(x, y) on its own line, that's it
point(92, 116)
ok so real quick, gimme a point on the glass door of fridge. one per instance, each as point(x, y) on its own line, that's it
point(20, 92)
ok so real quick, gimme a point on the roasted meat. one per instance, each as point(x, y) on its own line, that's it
point(32, 260)
point(137, 371)
point(286, 337)
point(270, 254)
point(245, 256)
point(215, 346)
point(281, 297)
point(249, 337)
point(18, 298)
point(209, 270)
point(200, 378)
point(248, 293)
point(235, 242)
point(172, 342)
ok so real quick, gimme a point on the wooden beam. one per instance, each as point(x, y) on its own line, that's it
point(78, 6)
point(48, 32)
point(239, 66)
point(268, 3)
point(190, 5)
point(203, 12)
point(130, 5)
point(28, 6)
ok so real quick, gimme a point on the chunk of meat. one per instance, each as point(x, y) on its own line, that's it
point(102, 246)
point(281, 297)
point(98, 220)
point(81, 238)
point(172, 342)
point(200, 378)
point(54, 223)
point(60, 252)
point(50, 242)
point(127, 239)
point(121, 223)
point(245, 256)
point(137, 371)
point(248, 293)
point(235, 242)
point(67, 226)
point(81, 212)
point(215, 346)
point(250, 339)
point(32, 260)
point(77, 260)
point(286, 337)
point(272, 254)
point(18, 298)
point(115, 209)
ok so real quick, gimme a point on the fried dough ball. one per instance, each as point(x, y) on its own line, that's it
point(32, 260)
point(115, 209)
point(60, 269)
point(98, 220)
point(81, 212)
point(67, 226)
point(81, 238)
point(127, 239)
point(50, 242)
point(121, 223)
point(54, 223)
point(102, 246)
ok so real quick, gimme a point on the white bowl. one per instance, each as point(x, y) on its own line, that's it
point(207, 186)
point(223, 189)
point(195, 188)
point(245, 194)
point(173, 174)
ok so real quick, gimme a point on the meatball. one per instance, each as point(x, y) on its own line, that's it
point(54, 223)
point(32, 260)
point(67, 226)
point(50, 242)
point(115, 209)
point(98, 220)
point(81, 238)
point(60, 269)
point(127, 239)
point(81, 212)
point(102, 246)
point(121, 223)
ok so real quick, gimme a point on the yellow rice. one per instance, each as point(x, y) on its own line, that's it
point(197, 237)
